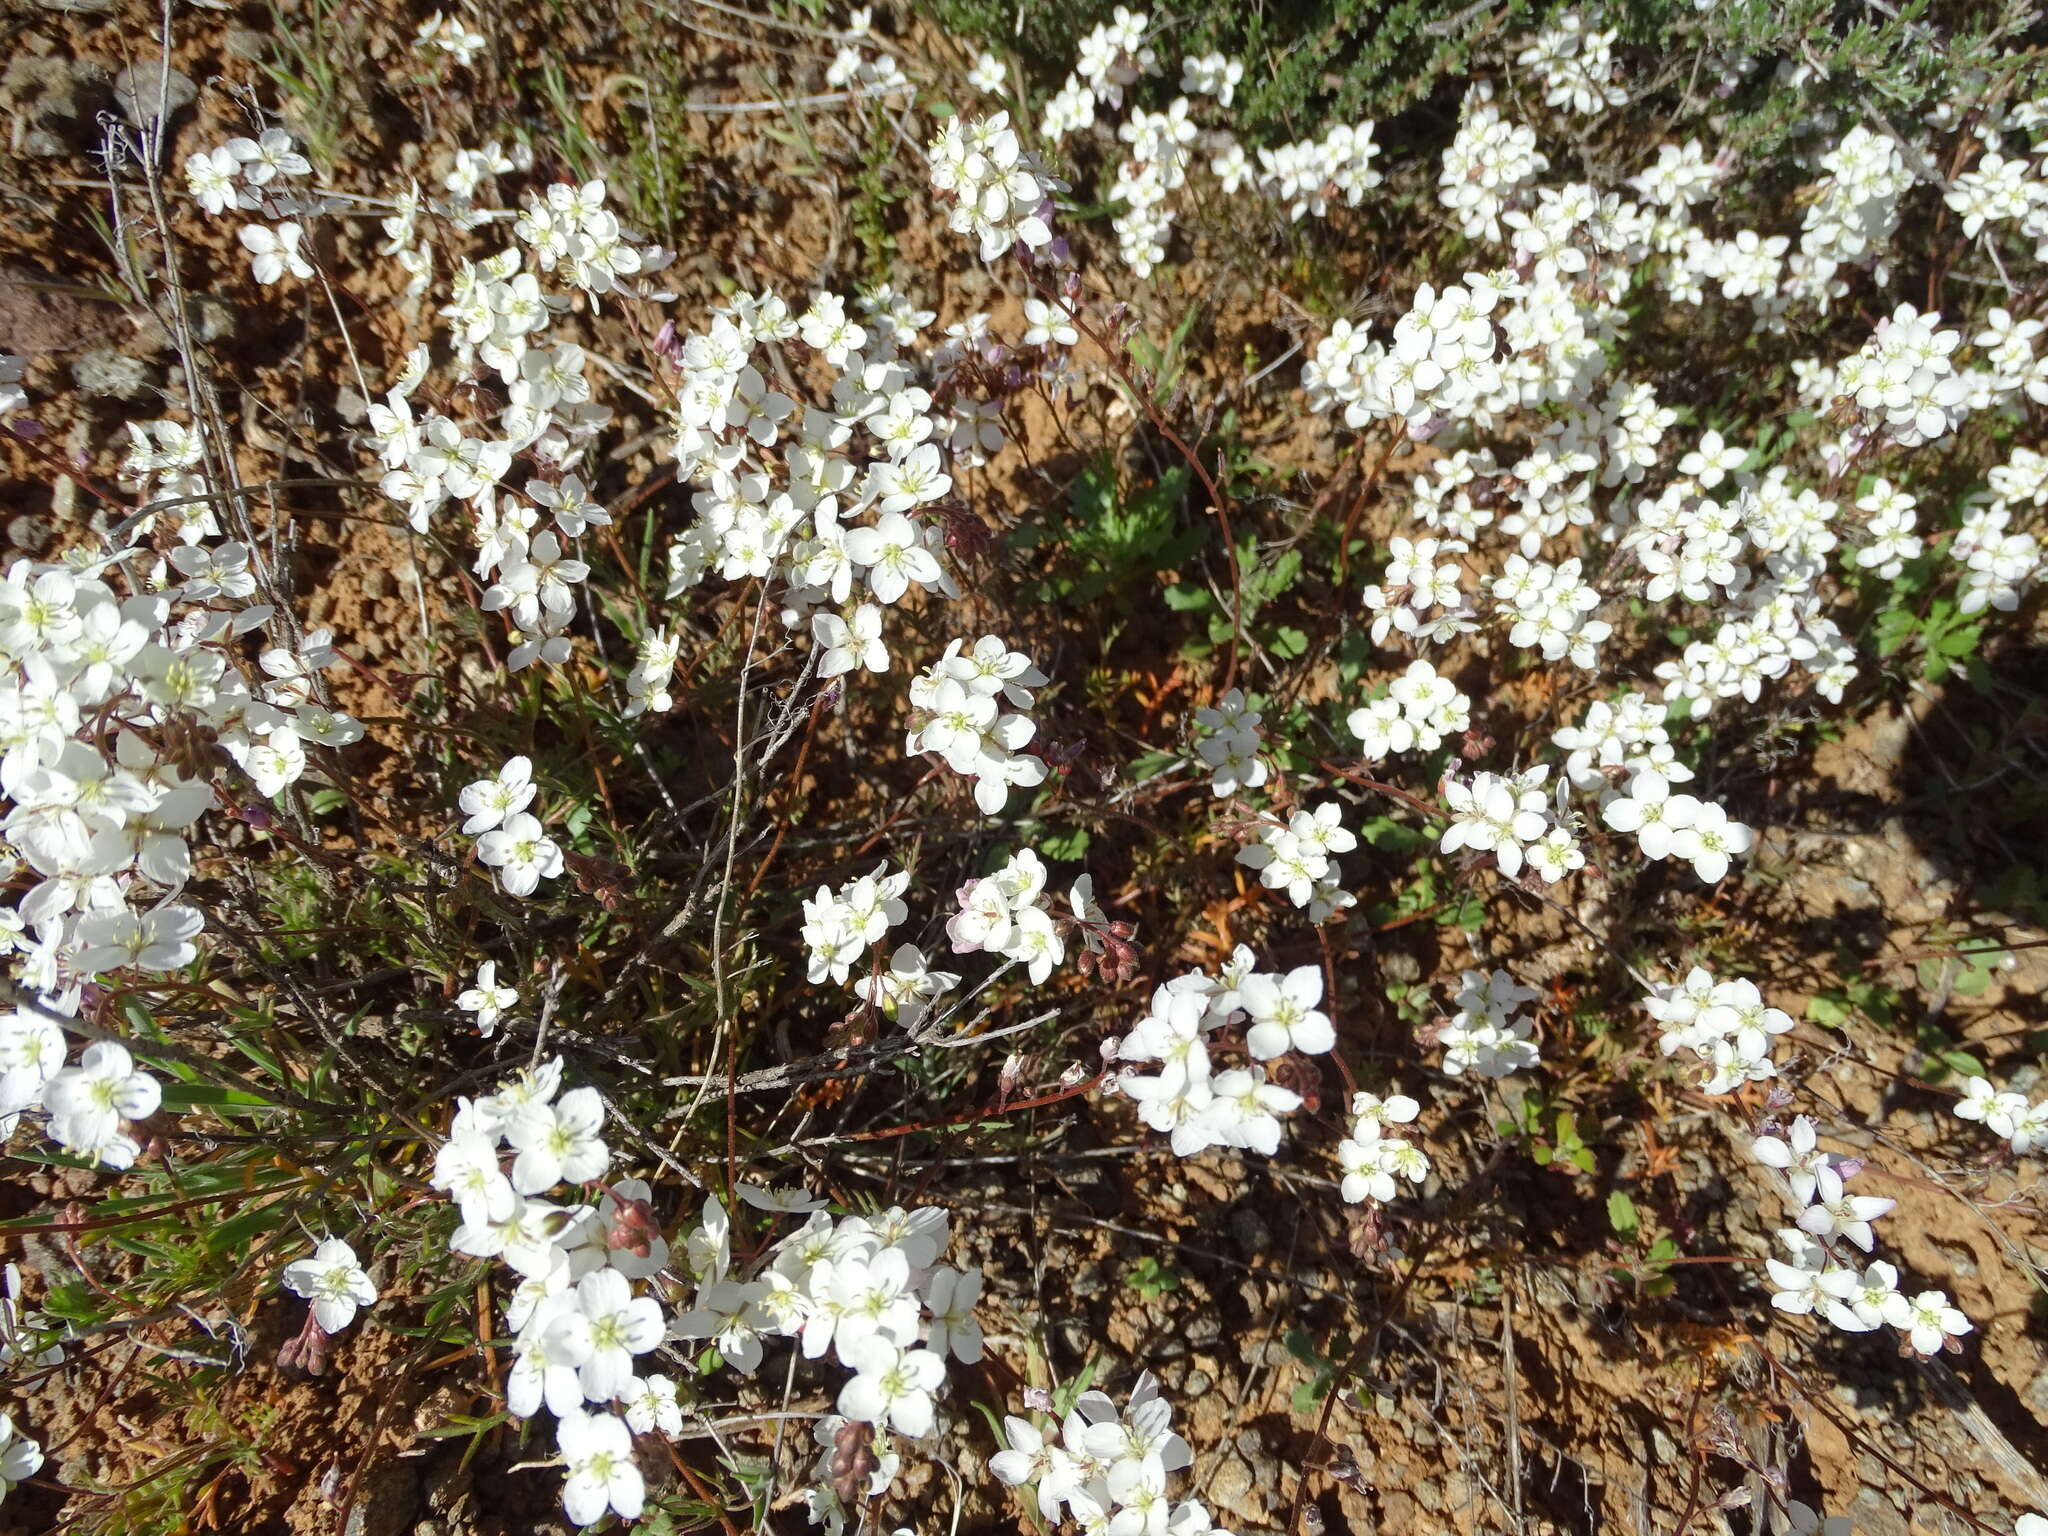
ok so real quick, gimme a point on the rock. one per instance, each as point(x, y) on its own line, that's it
point(1230, 1485)
point(48, 98)
point(387, 1501)
point(1872, 1514)
point(447, 1484)
point(1249, 1231)
point(148, 91)
point(1076, 1337)
point(207, 318)
point(31, 534)
point(108, 373)
point(2036, 1395)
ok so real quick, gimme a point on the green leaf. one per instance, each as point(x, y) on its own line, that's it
point(1186, 599)
point(1961, 1063)
point(188, 1096)
point(1830, 1008)
point(1621, 1215)
point(1065, 846)
point(1383, 834)
point(1287, 643)
point(1152, 764)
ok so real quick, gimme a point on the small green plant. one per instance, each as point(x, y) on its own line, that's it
point(1115, 538)
point(1152, 1279)
point(1549, 1135)
point(1941, 639)
point(1644, 1256)
point(875, 192)
point(1324, 1367)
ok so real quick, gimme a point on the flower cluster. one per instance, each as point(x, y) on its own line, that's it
point(1626, 734)
point(1489, 1034)
point(1816, 1279)
point(1511, 818)
point(1726, 1025)
point(1005, 914)
point(509, 838)
point(1419, 709)
point(450, 35)
point(841, 925)
point(1001, 192)
point(1229, 744)
point(1681, 826)
point(1297, 856)
point(869, 69)
point(102, 693)
point(1574, 541)
point(2023, 1123)
point(255, 176)
point(1104, 1469)
point(578, 1325)
point(1374, 1162)
point(956, 703)
point(1187, 1098)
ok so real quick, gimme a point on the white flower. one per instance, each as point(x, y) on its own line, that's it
point(891, 1387)
point(988, 75)
point(1836, 1212)
point(1034, 1455)
point(1048, 325)
point(559, 1141)
point(1283, 1014)
point(1796, 1154)
point(844, 645)
point(606, 1327)
point(212, 179)
point(487, 1000)
point(894, 556)
point(1653, 814)
point(522, 853)
point(727, 1315)
point(950, 1295)
point(1813, 1282)
point(274, 252)
point(467, 1168)
point(88, 1102)
point(488, 802)
point(651, 1406)
point(20, 1457)
point(1927, 1319)
point(597, 1450)
point(333, 1281)
point(1710, 840)
point(268, 156)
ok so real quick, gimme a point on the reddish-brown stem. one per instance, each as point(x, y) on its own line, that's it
point(1385, 789)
